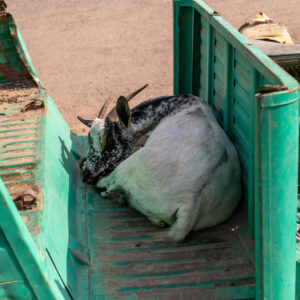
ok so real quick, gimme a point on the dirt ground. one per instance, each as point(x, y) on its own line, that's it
point(85, 51)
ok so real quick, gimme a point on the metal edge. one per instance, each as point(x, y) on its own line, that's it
point(269, 205)
point(32, 262)
point(275, 99)
point(21, 47)
point(273, 72)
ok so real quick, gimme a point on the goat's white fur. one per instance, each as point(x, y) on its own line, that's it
point(98, 125)
point(174, 177)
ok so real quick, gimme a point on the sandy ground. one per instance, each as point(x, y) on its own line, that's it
point(85, 51)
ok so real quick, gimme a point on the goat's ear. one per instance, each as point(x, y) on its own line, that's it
point(123, 112)
point(85, 122)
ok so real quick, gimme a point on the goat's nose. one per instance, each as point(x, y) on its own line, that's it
point(81, 162)
point(88, 179)
point(86, 175)
point(102, 190)
point(85, 172)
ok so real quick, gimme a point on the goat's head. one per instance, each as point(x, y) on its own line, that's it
point(109, 139)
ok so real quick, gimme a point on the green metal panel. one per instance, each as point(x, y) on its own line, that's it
point(15, 290)
point(13, 284)
point(276, 194)
point(232, 69)
point(64, 228)
point(176, 8)
point(15, 62)
point(21, 48)
point(203, 57)
point(196, 67)
point(32, 272)
point(31, 260)
point(186, 37)
point(50, 256)
point(59, 241)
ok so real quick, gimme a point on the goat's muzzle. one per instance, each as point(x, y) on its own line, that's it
point(102, 190)
point(88, 178)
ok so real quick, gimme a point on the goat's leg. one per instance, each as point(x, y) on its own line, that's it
point(157, 222)
point(117, 195)
point(107, 185)
point(108, 188)
point(186, 217)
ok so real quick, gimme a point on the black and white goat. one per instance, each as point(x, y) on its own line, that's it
point(187, 175)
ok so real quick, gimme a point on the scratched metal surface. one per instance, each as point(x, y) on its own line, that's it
point(127, 264)
point(97, 249)
point(120, 259)
point(21, 134)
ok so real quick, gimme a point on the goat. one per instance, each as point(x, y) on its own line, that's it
point(187, 175)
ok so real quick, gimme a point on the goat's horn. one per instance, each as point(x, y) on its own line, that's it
point(85, 122)
point(104, 107)
point(130, 96)
point(112, 115)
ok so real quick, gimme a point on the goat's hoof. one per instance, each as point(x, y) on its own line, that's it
point(161, 224)
point(158, 223)
point(121, 200)
point(101, 190)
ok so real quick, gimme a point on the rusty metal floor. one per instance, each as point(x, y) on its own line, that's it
point(116, 259)
point(126, 264)
point(21, 135)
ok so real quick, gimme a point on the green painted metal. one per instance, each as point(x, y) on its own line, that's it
point(64, 226)
point(264, 128)
point(13, 285)
point(26, 254)
point(276, 199)
point(186, 68)
point(15, 61)
point(76, 245)
point(21, 48)
point(31, 272)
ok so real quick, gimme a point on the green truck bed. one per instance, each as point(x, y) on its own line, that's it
point(71, 244)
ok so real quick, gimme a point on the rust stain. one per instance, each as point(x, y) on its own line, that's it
point(265, 89)
point(29, 71)
point(34, 105)
point(38, 229)
point(3, 7)
point(19, 167)
point(29, 167)
point(10, 74)
point(26, 200)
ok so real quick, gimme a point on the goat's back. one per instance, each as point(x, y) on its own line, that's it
point(180, 153)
